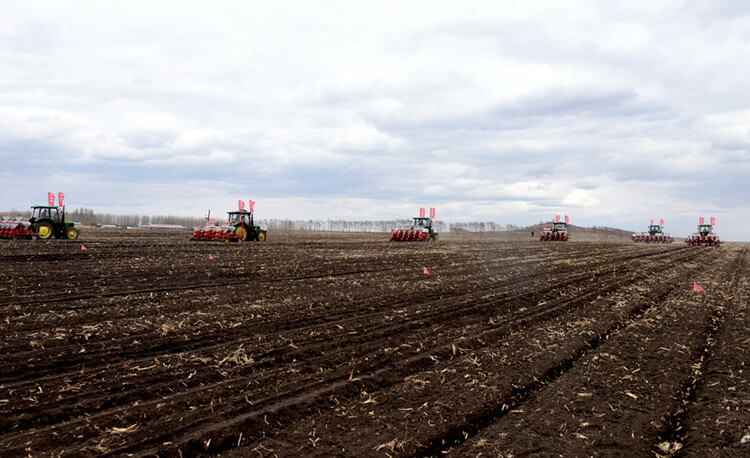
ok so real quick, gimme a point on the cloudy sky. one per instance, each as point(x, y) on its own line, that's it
point(611, 112)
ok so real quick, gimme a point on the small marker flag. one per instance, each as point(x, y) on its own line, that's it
point(421, 212)
point(241, 204)
point(426, 272)
point(713, 221)
point(250, 204)
point(696, 287)
point(702, 220)
point(60, 197)
point(84, 248)
point(432, 212)
point(50, 199)
point(652, 222)
point(661, 222)
point(557, 218)
point(567, 220)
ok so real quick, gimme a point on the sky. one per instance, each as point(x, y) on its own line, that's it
point(614, 113)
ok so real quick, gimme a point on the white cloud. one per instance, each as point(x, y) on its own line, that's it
point(511, 111)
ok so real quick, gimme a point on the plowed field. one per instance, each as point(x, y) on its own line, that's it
point(339, 344)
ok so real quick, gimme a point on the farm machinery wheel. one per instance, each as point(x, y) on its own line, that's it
point(44, 230)
point(241, 232)
point(71, 233)
point(262, 236)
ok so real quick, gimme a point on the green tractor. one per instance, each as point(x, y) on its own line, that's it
point(244, 229)
point(47, 221)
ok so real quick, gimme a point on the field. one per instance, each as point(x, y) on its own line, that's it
point(339, 344)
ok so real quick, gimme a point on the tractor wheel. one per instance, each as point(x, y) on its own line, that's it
point(241, 232)
point(44, 230)
point(434, 237)
point(262, 236)
point(71, 233)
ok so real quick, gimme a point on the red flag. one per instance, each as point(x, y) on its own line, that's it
point(567, 219)
point(50, 199)
point(84, 248)
point(421, 212)
point(60, 197)
point(250, 204)
point(241, 204)
point(652, 223)
point(713, 221)
point(432, 212)
point(696, 287)
point(557, 218)
point(701, 220)
point(426, 272)
point(661, 222)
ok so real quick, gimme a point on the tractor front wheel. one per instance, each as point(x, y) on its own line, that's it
point(262, 236)
point(44, 230)
point(72, 233)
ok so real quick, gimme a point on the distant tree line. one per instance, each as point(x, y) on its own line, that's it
point(88, 217)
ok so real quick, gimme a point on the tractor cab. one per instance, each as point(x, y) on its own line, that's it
point(241, 217)
point(421, 222)
point(705, 229)
point(40, 212)
point(654, 229)
point(559, 227)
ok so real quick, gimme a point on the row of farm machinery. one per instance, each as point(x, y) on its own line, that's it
point(48, 221)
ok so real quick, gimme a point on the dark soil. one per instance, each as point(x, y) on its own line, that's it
point(339, 344)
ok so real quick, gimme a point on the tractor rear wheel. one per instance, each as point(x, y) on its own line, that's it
point(71, 233)
point(44, 230)
point(241, 232)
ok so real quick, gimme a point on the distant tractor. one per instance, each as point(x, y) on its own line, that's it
point(422, 230)
point(239, 227)
point(705, 235)
point(654, 234)
point(48, 221)
point(558, 231)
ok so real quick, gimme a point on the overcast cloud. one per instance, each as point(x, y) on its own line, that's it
point(611, 112)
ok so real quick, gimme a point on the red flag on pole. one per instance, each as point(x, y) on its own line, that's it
point(432, 212)
point(241, 204)
point(696, 287)
point(661, 222)
point(250, 204)
point(567, 220)
point(426, 272)
point(50, 199)
point(421, 212)
point(60, 197)
point(557, 218)
point(652, 223)
point(702, 220)
point(713, 221)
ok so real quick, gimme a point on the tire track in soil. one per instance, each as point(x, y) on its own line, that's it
point(675, 434)
point(379, 377)
point(459, 433)
point(445, 301)
point(539, 420)
point(369, 336)
point(219, 339)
